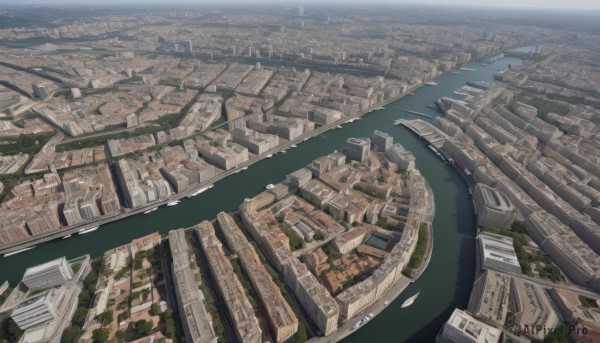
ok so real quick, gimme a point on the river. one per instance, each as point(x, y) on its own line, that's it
point(447, 281)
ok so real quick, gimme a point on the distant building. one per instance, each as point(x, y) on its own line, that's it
point(49, 274)
point(358, 149)
point(300, 11)
point(462, 328)
point(498, 253)
point(381, 140)
point(493, 207)
point(188, 46)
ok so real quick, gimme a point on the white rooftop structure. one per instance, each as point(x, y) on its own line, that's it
point(498, 253)
point(462, 328)
point(36, 310)
point(50, 274)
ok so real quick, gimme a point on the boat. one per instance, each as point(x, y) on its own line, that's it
point(380, 108)
point(67, 236)
point(339, 126)
point(173, 203)
point(203, 189)
point(18, 251)
point(469, 69)
point(84, 231)
point(151, 210)
point(235, 172)
point(245, 168)
point(362, 321)
point(269, 186)
point(455, 72)
point(431, 83)
point(294, 146)
point(269, 155)
point(283, 151)
point(409, 301)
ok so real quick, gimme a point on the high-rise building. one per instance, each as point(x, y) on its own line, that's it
point(358, 148)
point(49, 274)
point(382, 140)
point(462, 328)
point(300, 11)
point(38, 309)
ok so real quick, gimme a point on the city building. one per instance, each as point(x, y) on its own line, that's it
point(50, 274)
point(493, 208)
point(463, 328)
point(498, 253)
point(532, 307)
point(382, 141)
point(358, 149)
point(197, 323)
point(490, 296)
point(404, 159)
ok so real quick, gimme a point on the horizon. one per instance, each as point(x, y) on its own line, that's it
point(575, 5)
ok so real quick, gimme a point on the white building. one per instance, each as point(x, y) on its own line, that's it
point(462, 328)
point(498, 253)
point(50, 274)
point(38, 309)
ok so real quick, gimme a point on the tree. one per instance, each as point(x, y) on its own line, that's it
point(107, 317)
point(71, 334)
point(155, 309)
point(169, 324)
point(120, 335)
point(9, 331)
point(100, 335)
point(79, 316)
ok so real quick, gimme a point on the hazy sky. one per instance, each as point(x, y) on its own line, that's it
point(542, 4)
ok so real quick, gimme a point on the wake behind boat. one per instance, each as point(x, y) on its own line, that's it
point(410, 301)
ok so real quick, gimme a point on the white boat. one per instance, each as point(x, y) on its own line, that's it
point(67, 236)
point(380, 108)
point(245, 168)
point(283, 151)
point(409, 301)
point(151, 210)
point(431, 83)
point(204, 189)
point(18, 251)
point(469, 69)
point(84, 231)
point(455, 72)
point(294, 146)
point(363, 321)
point(270, 186)
point(173, 203)
point(269, 155)
point(339, 126)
